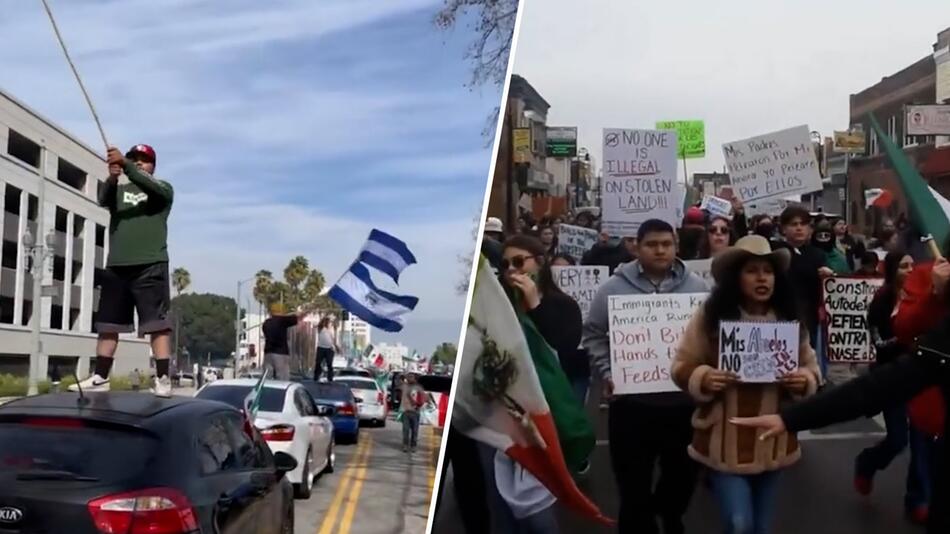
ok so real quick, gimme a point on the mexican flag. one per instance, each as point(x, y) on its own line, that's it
point(930, 214)
point(512, 395)
point(929, 210)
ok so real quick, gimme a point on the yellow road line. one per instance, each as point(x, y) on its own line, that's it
point(354, 496)
point(329, 520)
point(434, 459)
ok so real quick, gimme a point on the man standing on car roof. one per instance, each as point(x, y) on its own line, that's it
point(136, 275)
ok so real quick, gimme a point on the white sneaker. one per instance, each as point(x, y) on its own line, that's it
point(162, 387)
point(94, 383)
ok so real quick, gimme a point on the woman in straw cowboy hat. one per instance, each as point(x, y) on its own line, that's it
point(751, 285)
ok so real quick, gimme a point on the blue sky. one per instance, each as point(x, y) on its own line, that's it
point(287, 127)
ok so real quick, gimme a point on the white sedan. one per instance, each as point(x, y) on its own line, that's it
point(370, 396)
point(289, 420)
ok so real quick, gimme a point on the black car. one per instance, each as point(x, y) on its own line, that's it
point(136, 464)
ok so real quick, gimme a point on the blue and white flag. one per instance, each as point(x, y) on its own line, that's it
point(357, 294)
point(386, 253)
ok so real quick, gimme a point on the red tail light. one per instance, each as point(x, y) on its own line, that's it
point(151, 511)
point(380, 398)
point(346, 409)
point(54, 422)
point(278, 433)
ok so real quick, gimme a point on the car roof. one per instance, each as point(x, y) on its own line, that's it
point(357, 377)
point(273, 384)
point(129, 408)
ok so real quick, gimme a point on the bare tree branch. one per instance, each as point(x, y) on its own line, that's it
point(495, 27)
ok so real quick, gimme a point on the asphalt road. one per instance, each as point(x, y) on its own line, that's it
point(815, 497)
point(376, 488)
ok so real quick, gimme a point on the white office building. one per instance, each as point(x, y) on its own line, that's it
point(34, 149)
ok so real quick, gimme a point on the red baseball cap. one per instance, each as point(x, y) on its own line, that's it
point(144, 150)
point(694, 215)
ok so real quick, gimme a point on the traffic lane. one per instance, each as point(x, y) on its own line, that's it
point(815, 495)
point(376, 488)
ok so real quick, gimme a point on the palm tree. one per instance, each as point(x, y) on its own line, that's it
point(181, 279)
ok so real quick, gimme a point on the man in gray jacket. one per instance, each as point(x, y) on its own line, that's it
point(644, 428)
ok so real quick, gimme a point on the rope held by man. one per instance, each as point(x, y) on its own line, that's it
point(69, 60)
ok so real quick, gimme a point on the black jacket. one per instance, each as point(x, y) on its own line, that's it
point(803, 274)
point(884, 386)
point(611, 256)
point(882, 329)
point(558, 318)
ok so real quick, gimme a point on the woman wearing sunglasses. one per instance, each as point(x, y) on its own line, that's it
point(528, 506)
point(718, 237)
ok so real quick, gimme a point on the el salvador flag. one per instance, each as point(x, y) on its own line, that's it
point(357, 294)
point(386, 253)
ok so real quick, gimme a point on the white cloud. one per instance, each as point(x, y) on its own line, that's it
point(261, 113)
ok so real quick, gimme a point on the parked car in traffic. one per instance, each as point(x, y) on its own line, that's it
point(133, 463)
point(289, 421)
point(350, 371)
point(346, 419)
point(370, 396)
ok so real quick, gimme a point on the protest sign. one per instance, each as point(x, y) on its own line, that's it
point(581, 282)
point(846, 302)
point(680, 190)
point(759, 352)
point(702, 269)
point(644, 333)
point(717, 207)
point(773, 166)
point(690, 137)
point(638, 176)
point(575, 240)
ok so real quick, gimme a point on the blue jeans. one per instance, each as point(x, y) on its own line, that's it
point(746, 502)
point(879, 457)
point(818, 343)
point(580, 387)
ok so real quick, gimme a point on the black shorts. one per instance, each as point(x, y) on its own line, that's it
point(127, 289)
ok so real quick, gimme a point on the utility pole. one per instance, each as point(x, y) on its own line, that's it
point(237, 328)
point(38, 254)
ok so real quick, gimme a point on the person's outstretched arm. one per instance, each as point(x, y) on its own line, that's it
point(886, 385)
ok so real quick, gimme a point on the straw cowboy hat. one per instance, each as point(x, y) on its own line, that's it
point(748, 247)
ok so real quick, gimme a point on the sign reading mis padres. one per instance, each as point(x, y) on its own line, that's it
point(562, 142)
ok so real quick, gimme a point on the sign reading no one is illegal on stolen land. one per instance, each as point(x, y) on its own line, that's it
point(773, 166)
point(638, 178)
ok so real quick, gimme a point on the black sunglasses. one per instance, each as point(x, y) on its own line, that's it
point(516, 261)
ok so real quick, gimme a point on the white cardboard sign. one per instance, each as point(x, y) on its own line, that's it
point(717, 207)
point(702, 269)
point(639, 174)
point(773, 166)
point(846, 302)
point(575, 240)
point(581, 282)
point(645, 331)
point(758, 351)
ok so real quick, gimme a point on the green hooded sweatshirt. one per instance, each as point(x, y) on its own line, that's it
point(138, 228)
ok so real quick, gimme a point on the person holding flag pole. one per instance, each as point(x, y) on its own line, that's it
point(921, 376)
